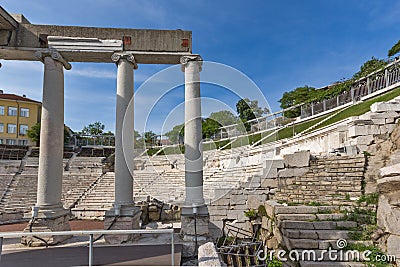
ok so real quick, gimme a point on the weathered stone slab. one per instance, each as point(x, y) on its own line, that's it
point(208, 256)
point(253, 202)
point(389, 184)
point(272, 183)
point(385, 106)
point(393, 170)
point(300, 234)
point(292, 172)
point(388, 216)
point(296, 217)
point(297, 159)
point(187, 225)
point(295, 209)
point(273, 164)
point(364, 140)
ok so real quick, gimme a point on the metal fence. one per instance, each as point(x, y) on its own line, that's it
point(378, 80)
point(90, 234)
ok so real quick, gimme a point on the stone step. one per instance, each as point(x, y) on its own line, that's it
point(316, 234)
point(318, 225)
point(304, 209)
point(311, 217)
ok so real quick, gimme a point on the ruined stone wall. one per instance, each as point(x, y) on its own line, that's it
point(329, 180)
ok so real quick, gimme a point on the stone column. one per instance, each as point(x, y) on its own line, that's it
point(194, 201)
point(49, 212)
point(124, 215)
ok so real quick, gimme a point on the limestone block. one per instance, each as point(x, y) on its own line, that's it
point(129, 220)
point(57, 224)
point(393, 245)
point(297, 159)
point(364, 140)
point(357, 130)
point(253, 202)
point(295, 210)
point(208, 256)
point(224, 201)
point(297, 225)
point(270, 173)
point(238, 199)
point(385, 106)
point(393, 170)
point(385, 115)
point(255, 181)
point(187, 225)
point(269, 183)
point(292, 172)
point(388, 216)
point(374, 129)
point(273, 164)
point(298, 234)
point(270, 207)
point(366, 116)
point(237, 214)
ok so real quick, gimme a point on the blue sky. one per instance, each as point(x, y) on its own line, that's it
point(280, 45)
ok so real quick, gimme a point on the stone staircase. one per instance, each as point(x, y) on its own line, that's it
point(319, 229)
point(97, 199)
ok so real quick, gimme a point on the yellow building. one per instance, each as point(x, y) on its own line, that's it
point(17, 115)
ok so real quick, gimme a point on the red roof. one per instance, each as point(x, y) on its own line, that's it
point(17, 98)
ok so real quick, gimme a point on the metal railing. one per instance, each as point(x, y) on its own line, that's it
point(90, 234)
point(379, 80)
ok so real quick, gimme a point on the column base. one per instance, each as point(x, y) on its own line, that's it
point(189, 236)
point(49, 219)
point(128, 219)
point(188, 210)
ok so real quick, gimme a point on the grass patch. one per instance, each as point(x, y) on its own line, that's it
point(360, 108)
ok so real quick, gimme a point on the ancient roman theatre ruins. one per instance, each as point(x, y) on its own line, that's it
point(300, 187)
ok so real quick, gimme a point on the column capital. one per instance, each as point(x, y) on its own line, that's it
point(129, 57)
point(186, 59)
point(54, 55)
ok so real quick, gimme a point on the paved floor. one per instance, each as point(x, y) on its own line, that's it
point(144, 255)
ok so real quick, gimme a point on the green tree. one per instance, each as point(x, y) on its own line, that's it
point(34, 133)
point(394, 50)
point(370, 66)
point(295, 97)
point(95, 128)
point(209, 127)
point(149, 137)
point(224, 117)
point(176, 133)
point(249, 110)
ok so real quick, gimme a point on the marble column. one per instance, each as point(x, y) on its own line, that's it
point(49, 212)
point(194, 204)
point(128, 216)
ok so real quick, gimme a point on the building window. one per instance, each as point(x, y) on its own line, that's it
point(2, 110)
point(23, 142)
point(24, 112)
point(11, 128)
point(11, 142)
point(12, 111)
point(1, 127)
point(23, 129)
point(1, 141)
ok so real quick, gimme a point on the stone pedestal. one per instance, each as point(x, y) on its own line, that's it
point(188, 233)
point(51, 219)
point(128, 219)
